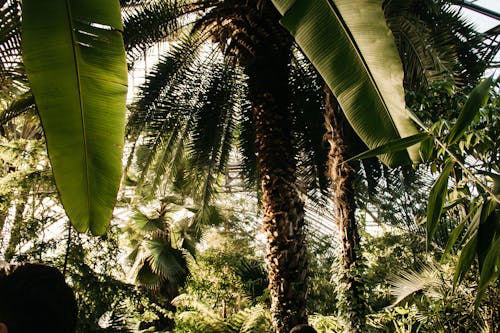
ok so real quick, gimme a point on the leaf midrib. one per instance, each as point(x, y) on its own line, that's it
point(363, 61)
point(74, 47)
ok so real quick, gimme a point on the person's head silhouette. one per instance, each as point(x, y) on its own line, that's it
point(35, 298)
point(303, 328)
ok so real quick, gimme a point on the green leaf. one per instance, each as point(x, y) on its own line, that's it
point(143, 224)
point(453, 237)
point(427, 149)
point(166, 261)
point(392, 146)
point(75, 60)
point(495, 178)
point(490, 270)
point(487, 231)
point(466, 257)
point(437, 197)
point(352, 48)
point(475, 220)
point(476, 100)
point(146, 277)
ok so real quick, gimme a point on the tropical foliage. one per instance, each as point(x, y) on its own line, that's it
point(76, 68)
point(235, 125)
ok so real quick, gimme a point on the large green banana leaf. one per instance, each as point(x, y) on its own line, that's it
point(350, 45)
point(75, 61)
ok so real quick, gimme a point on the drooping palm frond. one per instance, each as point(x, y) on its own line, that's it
point(468, 45)
point(147, 24)
point(427, 53)
point(246, 146)
point(164, 114)
point(308, 101)
point(13, 79)
point(435, 42)
point(161, 89)
point(17, 106)
point(10, 37)
point(214, 127)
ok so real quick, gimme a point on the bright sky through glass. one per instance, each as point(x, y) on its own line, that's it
point(481, 21)
point(484, 23)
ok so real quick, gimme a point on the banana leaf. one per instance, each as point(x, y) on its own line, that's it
point(75, 60)
point(350, 45)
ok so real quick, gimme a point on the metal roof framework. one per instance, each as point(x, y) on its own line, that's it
point(491, 37)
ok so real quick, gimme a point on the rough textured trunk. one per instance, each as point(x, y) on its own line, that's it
point(283, 211)
point(352, 308)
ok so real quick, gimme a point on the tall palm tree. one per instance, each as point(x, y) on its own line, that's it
point(231, 48)
point(247, 36)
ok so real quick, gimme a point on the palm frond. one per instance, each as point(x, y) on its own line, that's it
point(214, 122)
point(17, 106)
point(165, 261)
point(425, 49)
point(468, 45)
point(143, 224)
point(186, 235)
point(253, 274)
point(208, 214)
point(214, 130)
point(12, 74)
point(161, 88)
point(410, 282)
point(307, 105)
point(10, 35)
point(246, 145)
point(169, 159)
point(147, 24)
point(254, 319)
point(147, 278)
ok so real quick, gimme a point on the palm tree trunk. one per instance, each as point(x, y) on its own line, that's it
point(283, 210)
point(340, 135)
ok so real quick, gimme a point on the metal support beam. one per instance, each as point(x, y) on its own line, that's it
point(470, 5)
